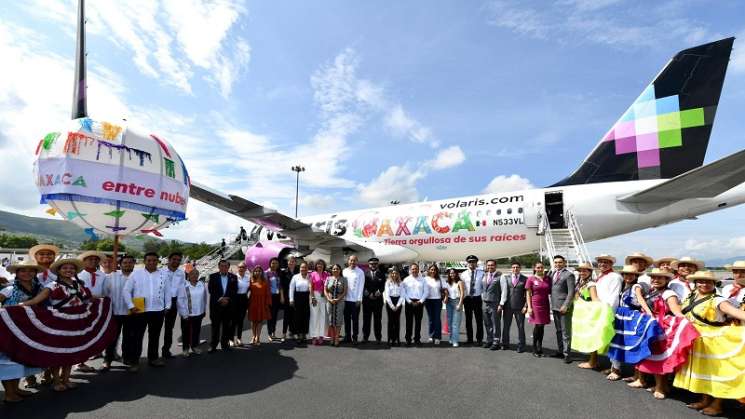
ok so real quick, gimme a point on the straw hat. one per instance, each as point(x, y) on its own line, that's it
point(703, 276)
point(739, 265)
point(687, 259)
point(629, 269)
point(90, 253)
point(39, 247)
point(667, 259)
point(605, 256)
point(584, 265)
point(660, 272)
point(28, 264)
point(55, 266)
point(638, 255)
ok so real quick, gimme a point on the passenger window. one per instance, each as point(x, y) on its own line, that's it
point(520, 210)
point(499, 212)
point(509, 210)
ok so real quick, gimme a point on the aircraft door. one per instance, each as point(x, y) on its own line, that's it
point(555, 209)
point(531, 213)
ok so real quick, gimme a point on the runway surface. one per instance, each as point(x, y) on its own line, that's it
point(280, 381)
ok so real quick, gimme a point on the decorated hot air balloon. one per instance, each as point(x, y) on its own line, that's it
point(105, 177)
point(111, 180)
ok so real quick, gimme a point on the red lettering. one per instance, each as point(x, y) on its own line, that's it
point(108, 186)
point(66, 178)
point(164, 196)
point(516, 237)
point(149, 192)
point(121, 188)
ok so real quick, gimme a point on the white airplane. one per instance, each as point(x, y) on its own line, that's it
point(646, 171)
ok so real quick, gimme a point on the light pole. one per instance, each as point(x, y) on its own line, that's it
point(297, 169)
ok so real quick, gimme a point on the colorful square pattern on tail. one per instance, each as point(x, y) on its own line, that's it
point(652, 124)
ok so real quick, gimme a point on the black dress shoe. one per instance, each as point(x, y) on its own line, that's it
point(212, 350)
point(494, 348)
point(567, 360)
point(520, 350)
point(408, 344)
point(167, 354)
point(505, 347)
point(557, 355)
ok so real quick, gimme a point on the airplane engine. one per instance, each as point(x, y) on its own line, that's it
point(263, 251)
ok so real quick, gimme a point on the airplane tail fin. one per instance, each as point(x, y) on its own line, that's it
point(665, 132)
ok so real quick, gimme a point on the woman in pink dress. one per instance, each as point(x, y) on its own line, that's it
point(538, 287)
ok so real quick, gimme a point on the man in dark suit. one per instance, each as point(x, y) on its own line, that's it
point(223, 289)
point(495, 298)
point(516, 306)
point(372, 301)
point(562, 299)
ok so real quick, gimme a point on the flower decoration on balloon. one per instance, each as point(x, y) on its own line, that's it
point(111, 180)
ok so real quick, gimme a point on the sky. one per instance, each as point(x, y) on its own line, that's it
point(379, 101)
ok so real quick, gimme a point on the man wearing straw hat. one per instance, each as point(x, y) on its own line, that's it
point(640, 262)
point(44, 255)
point(684, 266)
point(735, 292)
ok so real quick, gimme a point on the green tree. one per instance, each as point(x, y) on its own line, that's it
point(17, 241)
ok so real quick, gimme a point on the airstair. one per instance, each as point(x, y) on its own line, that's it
point(567, 242)
point(208, 263)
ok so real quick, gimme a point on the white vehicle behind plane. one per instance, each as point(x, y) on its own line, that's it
point(646, 171)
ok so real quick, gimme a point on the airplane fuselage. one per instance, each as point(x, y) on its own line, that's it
point(504, 224)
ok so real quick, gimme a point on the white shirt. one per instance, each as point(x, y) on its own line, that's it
point(153, 286)
point(191, 300)
point(644, 279)
point(609, 288)
point(5, 274)
point(393, 289)
point(355, 282)
point(44, 282)
point(114, 289)
point(680, 287)
point(737, 299)
point(87, 278)
point(454, 291)
point(415, 288)
point(243, 283)
point(299, 284)
point(433, 290)
point(478, 288)
point(175, 280)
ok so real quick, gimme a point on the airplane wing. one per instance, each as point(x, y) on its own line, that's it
point(702, 182)
point(273, 220)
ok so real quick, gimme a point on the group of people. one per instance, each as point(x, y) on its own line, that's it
point(670, 321)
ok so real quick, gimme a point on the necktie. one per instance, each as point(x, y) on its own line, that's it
point(488, 281)
point(514, 280)
point(93, 278)
point(556, 276)
point(45, 275)
point(473, 282)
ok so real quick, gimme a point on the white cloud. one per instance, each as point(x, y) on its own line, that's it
point(316, 201)
point(604, 22)
point(449, 157)
point(396, 183)
point(145, 28)
point(402, 125)
point(503, 183)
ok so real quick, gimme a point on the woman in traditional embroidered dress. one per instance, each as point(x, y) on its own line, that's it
point(636, 328)
point(66, 291)
point(672, 351)
point(317, 329)
point(259, 303)
point(538, 288)
point(716, 363)
point(25, 288)
point(335, 289)
point(592, 319)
